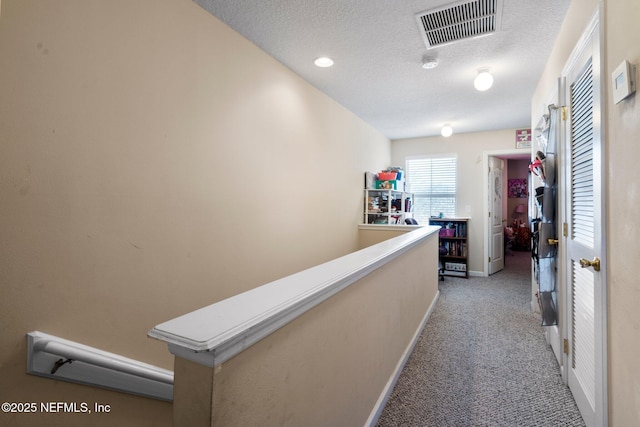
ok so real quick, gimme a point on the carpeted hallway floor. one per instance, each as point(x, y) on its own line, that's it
point(482, 360)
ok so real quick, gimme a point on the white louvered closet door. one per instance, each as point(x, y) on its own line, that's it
point(584, 240)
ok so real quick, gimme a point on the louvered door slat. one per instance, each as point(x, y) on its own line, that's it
point(583, 326)
point(582, 232)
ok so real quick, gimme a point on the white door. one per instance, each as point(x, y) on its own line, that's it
point(496, 230)
point(584, 270)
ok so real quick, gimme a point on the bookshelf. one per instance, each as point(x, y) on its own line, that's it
point(384, 206)
point(454, 238)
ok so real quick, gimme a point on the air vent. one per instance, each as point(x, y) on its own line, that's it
point(459, 21)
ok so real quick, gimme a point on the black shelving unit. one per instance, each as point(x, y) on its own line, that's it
point(454, 238)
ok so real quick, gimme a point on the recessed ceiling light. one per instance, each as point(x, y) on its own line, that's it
point(323, 62)
point(484, 80)
point(446, 131)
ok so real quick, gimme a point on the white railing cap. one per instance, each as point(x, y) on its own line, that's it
point(214, 334)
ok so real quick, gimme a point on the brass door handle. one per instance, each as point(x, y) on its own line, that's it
point(552, 242)
point(584, 263)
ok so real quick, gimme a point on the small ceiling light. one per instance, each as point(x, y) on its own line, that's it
point(429, 62)
point(446, 131)
point(323, 62)
point(484, 80)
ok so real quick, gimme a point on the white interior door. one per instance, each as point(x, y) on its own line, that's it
point(584, 270)
point(496, 230)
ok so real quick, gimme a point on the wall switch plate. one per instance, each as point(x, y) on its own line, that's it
point(623, 81)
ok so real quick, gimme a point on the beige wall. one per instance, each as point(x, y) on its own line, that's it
point(517, 169)
point(622, 193)
point(578, 14)
point(623, 200)
point(469, 149)
point(315, 371)
point(153, 162)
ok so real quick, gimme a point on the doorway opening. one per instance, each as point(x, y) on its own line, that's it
point(516, 207)
point(507, 198)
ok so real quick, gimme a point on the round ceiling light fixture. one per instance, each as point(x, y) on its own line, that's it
point(446, 131)
point(484, 80)
point(323, 62)
point(429, 62)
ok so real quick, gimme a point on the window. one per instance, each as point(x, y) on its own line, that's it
point(432, 180)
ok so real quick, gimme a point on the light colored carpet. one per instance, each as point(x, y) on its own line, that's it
point(482, 360)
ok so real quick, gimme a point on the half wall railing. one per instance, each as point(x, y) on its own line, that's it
point(319, 347)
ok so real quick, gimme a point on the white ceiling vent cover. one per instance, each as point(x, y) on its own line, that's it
point(459, 21)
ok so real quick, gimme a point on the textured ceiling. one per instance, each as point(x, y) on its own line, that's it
point(378, 51)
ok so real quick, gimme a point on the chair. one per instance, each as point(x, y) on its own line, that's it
point(509, 239)
point(442, 251)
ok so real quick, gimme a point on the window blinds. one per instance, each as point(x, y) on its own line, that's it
point(432, 180)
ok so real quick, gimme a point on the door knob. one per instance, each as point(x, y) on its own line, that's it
point(584, 263)
point(552, 242)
